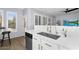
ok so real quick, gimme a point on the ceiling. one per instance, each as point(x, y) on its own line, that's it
point(54, 11)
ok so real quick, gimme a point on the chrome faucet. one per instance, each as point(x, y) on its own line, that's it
point(49, 29)
point(65, 32)
point(56, 30)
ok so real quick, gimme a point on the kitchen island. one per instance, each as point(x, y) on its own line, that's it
point(40, 42)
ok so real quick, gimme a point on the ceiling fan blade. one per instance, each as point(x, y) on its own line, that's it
point(69, 10)
point(73, 9)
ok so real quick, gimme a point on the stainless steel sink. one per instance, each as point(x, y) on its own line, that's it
point(49, 35)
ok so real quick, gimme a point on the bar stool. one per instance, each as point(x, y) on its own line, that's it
point(3, 37)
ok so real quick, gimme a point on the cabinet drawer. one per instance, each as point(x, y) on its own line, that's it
point(48, 46)
point(63, 48)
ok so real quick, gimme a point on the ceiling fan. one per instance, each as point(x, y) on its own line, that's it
point(69, 10)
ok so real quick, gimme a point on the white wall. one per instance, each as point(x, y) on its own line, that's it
point(29, 15)
point(20, 22)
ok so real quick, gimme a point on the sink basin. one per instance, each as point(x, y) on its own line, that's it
point(49, 35)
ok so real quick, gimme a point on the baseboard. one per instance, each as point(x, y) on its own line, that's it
point(17, 37)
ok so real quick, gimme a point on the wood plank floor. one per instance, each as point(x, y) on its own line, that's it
point(16, 44)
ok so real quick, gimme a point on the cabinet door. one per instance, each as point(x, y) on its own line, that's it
point(39, 20)
point(44, 20)
point(36, 17)
point(63, 48)
point(48, 46)
point(49, 21)
point(53, 22)
point(36, 44)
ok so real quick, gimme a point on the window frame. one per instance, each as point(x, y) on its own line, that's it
point(15, 30)
point(2, 19)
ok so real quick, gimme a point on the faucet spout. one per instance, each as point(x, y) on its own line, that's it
point(49, 29)
point(65, 32)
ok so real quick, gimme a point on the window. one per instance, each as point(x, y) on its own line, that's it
point(11, 21)
point(1, 19)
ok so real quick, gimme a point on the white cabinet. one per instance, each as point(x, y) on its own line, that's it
point(39, 44)
point(36, 44)
point(43, 20)
point(49, 21)
point(63, 48)
point(48, 46)
point(40, 20)
point(43, 45)
point(37, 19)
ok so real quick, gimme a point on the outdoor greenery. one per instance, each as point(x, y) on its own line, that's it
point(0, 20)
point(12, 23)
